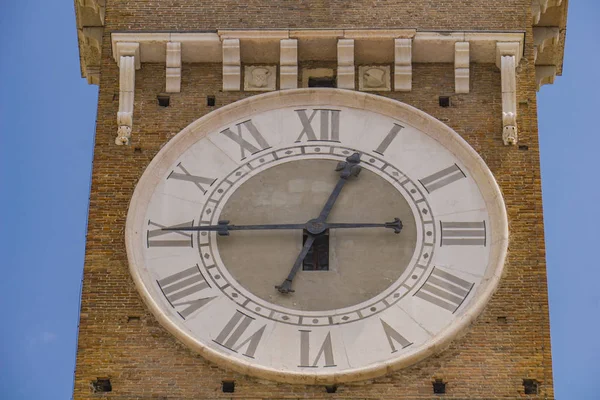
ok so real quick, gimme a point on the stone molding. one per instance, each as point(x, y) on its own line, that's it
point(345, 56)
point(288, 64)
point(127, 55)
point(461, 67)
point(403, 64)
point(232, 69)
point(173, 72)
point(508, 56)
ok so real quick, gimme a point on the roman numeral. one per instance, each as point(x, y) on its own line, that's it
point(444, 290)
point(329, 125)
point(243, 143)
point(463, 233)
point(326, 351)
point(387, 140)
point(442, 178)
point(183, 285)
point(186, 176)
point(175, 238)
point(394, 336)
point(231, 335)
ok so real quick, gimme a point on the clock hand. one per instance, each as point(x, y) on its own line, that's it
point(347, 169)
point(318, 226)
point(314, 227)
point(286, 286)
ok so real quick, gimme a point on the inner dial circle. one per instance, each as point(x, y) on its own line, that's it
point(363, 262)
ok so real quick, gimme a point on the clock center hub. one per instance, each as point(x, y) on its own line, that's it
point(316, 227)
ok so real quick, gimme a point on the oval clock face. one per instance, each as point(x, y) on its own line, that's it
point(316, 236)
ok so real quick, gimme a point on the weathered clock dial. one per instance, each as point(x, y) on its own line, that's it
point(316, 236)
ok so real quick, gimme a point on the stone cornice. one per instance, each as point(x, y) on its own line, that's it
point(428, 47)
point(549, 19)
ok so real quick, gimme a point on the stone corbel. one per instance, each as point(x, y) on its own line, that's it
point(461, 67)
point(539, 7)
point(173, 72)
point(403, 65)
point(232, 66)
point(345, 74)
point(288, 64)
point(98, 6)
point(544, 75)
point(508, 56)
point(128, 59)
point(542, 36)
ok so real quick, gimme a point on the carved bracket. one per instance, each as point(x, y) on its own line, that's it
point(539, 7)
point(508, 56)
point(173, 72)
point(127, 56)
point(544, 75)
point(288, 64)
point(542, 36)
point(461, 67)
point(403, 65)
point(232, 65)
point(345, 53)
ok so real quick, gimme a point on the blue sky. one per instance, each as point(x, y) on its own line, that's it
point(47, 115)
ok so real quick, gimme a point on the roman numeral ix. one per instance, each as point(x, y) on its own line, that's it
point(174, 238)
point(328, 123)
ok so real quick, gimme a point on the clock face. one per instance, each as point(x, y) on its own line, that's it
point(316, 236)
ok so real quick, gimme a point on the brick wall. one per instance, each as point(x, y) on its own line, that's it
point(510, 341)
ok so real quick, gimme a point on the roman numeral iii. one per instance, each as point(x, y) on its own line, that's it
point(247, 126)
point(232, 336)
point(184, 175)
point(181, 289)
point(328, 123)
point(463, 233)
point(442, 178)
point(172, 238)
point(444, 290)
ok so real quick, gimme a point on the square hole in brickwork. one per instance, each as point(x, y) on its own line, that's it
point(163, 100)
point(133, 318)
point(444, 101)
point(502, 320)
point(228, 386)
point(331, 388)
point(523, 147)
point(531, 386)
point(439, 387)
point(101, 385)
point(211, 101)
point(327, 81)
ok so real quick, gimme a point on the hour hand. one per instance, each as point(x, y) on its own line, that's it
point(223, 227)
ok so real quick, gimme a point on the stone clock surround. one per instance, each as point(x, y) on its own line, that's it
point(435, 129)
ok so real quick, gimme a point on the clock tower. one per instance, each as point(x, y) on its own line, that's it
point(309, 199)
